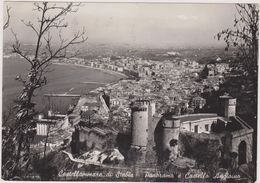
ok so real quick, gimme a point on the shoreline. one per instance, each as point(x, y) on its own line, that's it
point(103, 70)
point(115, 74)
point(99, 69)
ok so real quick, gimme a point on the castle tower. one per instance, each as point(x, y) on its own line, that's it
point(228, 106)
point(170, 137)
point(140, 121)
point(141, 118)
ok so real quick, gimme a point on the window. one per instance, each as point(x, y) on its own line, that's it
point(173, 142)
point(207, 127)
point(196, 128)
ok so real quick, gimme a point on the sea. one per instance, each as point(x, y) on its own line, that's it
point(60, 79)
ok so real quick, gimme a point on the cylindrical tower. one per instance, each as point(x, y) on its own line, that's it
point(170, 137)
point(140, 120)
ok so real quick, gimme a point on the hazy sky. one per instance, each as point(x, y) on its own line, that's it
point(154, 25)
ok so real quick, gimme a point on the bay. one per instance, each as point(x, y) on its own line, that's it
point(62, 79)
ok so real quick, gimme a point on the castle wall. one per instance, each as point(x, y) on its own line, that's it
point(190, 125)
point(151, 156)
point(88, 139)
point(238, 137)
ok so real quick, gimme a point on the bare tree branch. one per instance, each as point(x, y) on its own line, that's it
point(16, 48)
point(77, 39)
point(244, 36)
point(51, 20)
point(29, 24)
point(8, 17)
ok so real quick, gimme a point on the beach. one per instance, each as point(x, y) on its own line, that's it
point(65, 78)
point(98, 69)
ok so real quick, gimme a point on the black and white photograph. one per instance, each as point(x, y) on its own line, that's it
point(129, 91)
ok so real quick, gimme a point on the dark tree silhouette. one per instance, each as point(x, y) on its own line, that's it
point(50, 24)
point(244, 36)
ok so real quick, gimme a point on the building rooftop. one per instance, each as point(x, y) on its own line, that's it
point(95, 104)
point(91, 94)
point(194, 117)
point(99, 131)
point(46, 121)
point(234, 123)
point(88, 113)
point(226, 97)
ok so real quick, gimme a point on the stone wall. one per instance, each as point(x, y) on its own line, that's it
point(240, 136)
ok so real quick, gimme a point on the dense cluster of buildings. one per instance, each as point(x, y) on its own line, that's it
point(156, 110)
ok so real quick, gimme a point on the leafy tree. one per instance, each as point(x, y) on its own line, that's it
point(50, 23)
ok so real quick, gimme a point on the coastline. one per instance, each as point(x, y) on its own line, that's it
point(11, 88)
point(103, 70)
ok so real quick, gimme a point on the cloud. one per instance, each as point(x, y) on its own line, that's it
point(187, 17)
